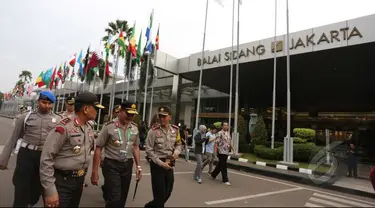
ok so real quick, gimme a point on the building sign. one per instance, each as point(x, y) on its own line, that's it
point(342, 34)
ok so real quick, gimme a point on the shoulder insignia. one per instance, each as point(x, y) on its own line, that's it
point(65, 121)
point(176, 127)
point(155, 126)
point(91, 123)
point(60, 129)
point(134, 124)
point(109, 122)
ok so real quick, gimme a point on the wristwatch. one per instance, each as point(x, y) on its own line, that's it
point(139, 168)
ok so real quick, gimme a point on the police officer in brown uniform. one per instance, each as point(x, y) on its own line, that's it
point(66, 154)
point(69, 104)
point(120, 138)
point(33, 127)
point(163, 145)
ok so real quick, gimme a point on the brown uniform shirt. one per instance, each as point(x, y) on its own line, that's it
point(34, 131)
point(161, 144)
point(68, 147)
point(111, 136)
point(67, 114)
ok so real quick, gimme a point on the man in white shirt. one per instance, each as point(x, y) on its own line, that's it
point(210, 156)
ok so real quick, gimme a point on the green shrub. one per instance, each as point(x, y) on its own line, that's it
point(260, 135)
point(275, 144)
point(244, 148)
point(267, 153)
point(304, 152)
point(297, 140)
point(308, 134)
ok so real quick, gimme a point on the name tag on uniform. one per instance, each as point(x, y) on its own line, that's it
point(53, 120)
point(73, 130)
point(75, 135)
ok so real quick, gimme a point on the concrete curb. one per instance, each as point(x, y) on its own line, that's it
point(6, 116)
point(283, 173)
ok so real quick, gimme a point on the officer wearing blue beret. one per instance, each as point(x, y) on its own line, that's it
point(33, 127)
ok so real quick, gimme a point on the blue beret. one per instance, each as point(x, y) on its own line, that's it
point(47, 95)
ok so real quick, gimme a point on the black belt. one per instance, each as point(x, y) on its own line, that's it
point(72, 173)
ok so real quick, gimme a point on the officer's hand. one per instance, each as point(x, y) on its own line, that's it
point(52, 201)
point(138, 175)
point(94, 178)
point(3, 167)
point(166, 166)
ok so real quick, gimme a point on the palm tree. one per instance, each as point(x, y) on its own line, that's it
point(114, 29)
point(25, 75)
point(151, 74)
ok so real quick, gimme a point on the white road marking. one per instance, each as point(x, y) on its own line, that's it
point(332, 198)
point(283, 167)
point(311, 205)
point(291, 185)
point(260, 163)
point(252, 196)
point(329, 203)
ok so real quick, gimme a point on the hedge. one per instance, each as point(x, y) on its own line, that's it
point(303, 133)
point(301, 152)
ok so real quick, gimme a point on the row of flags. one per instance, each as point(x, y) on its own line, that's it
point(53, 76)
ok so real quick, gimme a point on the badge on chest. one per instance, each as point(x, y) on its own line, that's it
point(76, 149)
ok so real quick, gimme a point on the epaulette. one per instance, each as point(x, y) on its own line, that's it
point(134, 124)
point(65, 121)
point(176, 127)
point(155, 126)
point(109, 122)
point(91, 123)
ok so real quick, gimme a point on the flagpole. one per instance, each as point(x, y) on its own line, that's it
point(274, 82)
point(200, 73)
point(114, 84)
point(152, 90)
point(136, 84)
point(288, 83)
point(58, 99)
point(231, 71)
point(237, 78)
point(146, 85)
point(63, 101)
point(128, 83)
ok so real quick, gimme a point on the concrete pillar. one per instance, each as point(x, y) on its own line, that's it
point(176, 98)
point(187, 116)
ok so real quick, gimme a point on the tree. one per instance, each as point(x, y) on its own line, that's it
point(242, 144)
point(25, 75)
point(114, 29)
point(143, 69)
point(260, 134)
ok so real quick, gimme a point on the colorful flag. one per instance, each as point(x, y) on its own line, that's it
point(47, 77)
point(66, 72)
point(107, 48)
point(132, 47)
point(139, 49)
point(157, 39)
point(148, 35)
point(86, 62)
point(72, 62)
point(79, 61)
point(121, 41)
point(52, 79)
point(39, 80)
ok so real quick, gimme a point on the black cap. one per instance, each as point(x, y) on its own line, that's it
point(117, 108)
point(164, 110)
point(70, 100)
point(129, 107)
point(88, 98)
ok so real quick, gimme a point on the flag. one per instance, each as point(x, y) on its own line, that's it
point(60, 73)
point(66, 72)
point(107, 48)
point(72, 75)
point(121, 41)
point(30, 90)
point(148, 34)
point(92, 66)
point(39, 80)
point(86, 63)
point(72, 62)
point(132, 47)
point(79, 61)
point(52, 79)
point(139, 49)
point(157, 39)
point(47, 77)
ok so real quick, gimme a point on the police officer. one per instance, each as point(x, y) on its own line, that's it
point(33, 127)
point(69, 104)
point(120, 138)
point(66, 154)
point(163, 145)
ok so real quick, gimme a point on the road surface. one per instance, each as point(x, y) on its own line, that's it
point(246, 190)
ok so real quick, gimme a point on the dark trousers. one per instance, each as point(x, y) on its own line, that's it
point(26, 181)
point(352, 166)
point(162, 185)
point(221, 167)
point(117, 179)
point(69, 189)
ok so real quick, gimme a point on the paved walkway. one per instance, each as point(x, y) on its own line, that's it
point(246, 190)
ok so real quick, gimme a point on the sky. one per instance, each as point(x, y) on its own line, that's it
point(39, 34)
